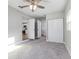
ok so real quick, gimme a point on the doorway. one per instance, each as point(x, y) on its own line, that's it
point(31, 29)
point(24, 31)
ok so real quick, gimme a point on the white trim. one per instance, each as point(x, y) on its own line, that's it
point(52, 41)
point(69, 51)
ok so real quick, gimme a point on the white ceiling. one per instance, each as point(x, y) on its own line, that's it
point(51, 6)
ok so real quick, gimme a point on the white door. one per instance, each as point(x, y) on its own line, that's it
point(31, 28)
point(55, 30)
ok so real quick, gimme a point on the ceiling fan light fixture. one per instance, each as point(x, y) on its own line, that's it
point(33, 7)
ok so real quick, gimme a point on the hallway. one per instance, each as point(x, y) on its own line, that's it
point(39, 49)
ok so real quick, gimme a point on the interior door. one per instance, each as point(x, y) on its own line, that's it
point(31, 28)
point(55, 30)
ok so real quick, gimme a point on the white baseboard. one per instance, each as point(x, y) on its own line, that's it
point(69, 51)
point(53, 41)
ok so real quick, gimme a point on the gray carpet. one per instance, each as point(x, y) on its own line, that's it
point(39, 49)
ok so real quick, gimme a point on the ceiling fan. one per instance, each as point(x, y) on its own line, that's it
point(33, 5)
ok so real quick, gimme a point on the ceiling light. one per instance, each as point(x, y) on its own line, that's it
point(33, 7)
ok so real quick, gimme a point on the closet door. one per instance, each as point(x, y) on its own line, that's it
point(55, 30)
point(31, 28)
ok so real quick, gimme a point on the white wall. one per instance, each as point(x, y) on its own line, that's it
point(67, 27)
point(67, 32)
point(58, 15)
point(39, 28)
point(54, 27)
point(43, 26)
point(14, 25)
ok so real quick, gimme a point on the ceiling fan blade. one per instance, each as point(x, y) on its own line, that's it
point(23, 6)
point(42, 7)
point(27, 0)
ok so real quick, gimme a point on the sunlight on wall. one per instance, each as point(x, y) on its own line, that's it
point(11, 44)
point(13, 47)
point(11, 40)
